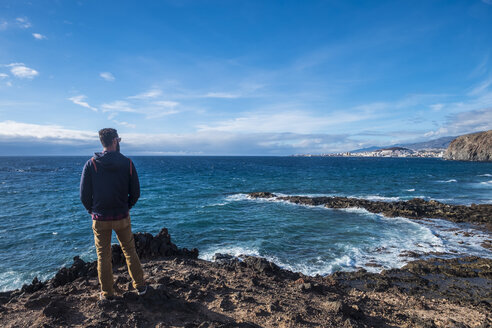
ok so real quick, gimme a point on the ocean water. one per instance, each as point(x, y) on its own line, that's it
point(203, 203)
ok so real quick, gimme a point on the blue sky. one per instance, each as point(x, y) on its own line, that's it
point(241, 77)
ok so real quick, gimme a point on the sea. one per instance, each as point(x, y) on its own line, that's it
point(203, 202)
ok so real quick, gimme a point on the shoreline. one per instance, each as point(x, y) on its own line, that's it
point(416, 208)
point(248, 291)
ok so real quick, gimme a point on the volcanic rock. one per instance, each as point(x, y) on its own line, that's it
point(471, 147)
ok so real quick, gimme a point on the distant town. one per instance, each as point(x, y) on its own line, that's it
point(385, 152)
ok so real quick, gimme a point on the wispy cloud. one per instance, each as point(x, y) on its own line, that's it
point(165, 103)
point(80, 100)
point(21, 71)
point(481, 87)
point(481, 68)
point(144, 104)
point(296, 121)
point(153, 93)
point(465, 122)
point(3, 76)
point(489, 2)
point(125, 124)
point(23, 22)
point(224, 95)
point(118, 106)
point(3, 25)
point(107, 76)
point(436, 107)
point(38, 36)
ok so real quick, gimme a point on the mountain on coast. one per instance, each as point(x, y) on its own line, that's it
point(440, 143)
point(471, 147)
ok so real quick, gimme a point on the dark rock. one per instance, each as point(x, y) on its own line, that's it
point(414, 209)
point(33, 287)
point(224, 259)
point(55, 309)
point(5, 297)
point(261, 194)
point(78, 269)
point(37, 301)
point(261, 265)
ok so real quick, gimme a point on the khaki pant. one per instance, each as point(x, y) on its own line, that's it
point(102, 237)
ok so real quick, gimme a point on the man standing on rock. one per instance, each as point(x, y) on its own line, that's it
point(109, 188)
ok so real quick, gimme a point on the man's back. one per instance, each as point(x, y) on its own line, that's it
point(109, 186)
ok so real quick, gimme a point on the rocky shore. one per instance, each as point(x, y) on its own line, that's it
point(416, 208)
point(248, 291)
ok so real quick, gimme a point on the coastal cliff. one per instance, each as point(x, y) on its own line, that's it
point(471, 147)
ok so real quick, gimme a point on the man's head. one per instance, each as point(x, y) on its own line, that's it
point(109, 139)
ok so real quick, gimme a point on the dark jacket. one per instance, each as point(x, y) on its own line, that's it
point(109, 186)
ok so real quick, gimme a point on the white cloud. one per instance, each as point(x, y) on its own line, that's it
point(165, 103)
point(21, 71)
point(23, 22)
point(207, 142)
point(118, 106)
point(79, 100)
point(107, 76)
point(3, 25)
point(489, 2)
point(54, 133)
point(436, 107)
point(153, 93)
point(221, 95)
point(151, 109)
point(126, 124)
point(465, 122)
point(283, 121)
point(38, 36)
point(3, 76)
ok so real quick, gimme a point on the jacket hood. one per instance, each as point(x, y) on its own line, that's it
point(108, 159)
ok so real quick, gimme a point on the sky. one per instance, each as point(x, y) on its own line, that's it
point(241, 77)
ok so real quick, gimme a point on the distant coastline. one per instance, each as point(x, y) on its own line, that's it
point(394, 152)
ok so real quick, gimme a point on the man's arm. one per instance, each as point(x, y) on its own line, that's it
point(134, 188)
point(86, 187)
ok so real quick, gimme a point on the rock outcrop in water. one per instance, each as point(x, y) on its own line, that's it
point(413, 209)
point(249, 291)
point(471, 147)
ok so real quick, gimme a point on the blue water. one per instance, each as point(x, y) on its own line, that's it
point(203, 203)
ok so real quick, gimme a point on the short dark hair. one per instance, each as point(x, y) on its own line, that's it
point(107, 136)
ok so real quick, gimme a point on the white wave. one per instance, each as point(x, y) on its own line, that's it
point(358, 210)
point(237, 197)
point(485, 175)
point(380, 198)
point(486, 182)
point(208, 254)
point(447, 181)
point(10, 280)
point(411, 189)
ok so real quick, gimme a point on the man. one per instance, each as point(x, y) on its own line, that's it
point(109, 188)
